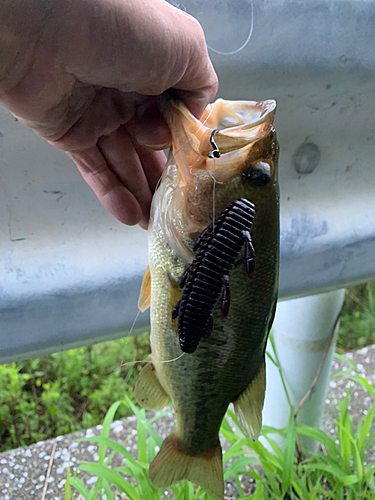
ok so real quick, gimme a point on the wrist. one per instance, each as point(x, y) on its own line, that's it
point(20, 25)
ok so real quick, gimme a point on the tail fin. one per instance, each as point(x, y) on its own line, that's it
point(174, 463)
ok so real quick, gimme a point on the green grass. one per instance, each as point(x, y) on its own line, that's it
point(338, 471)
point(73, 390)
point(67, 391)
point(357, 326)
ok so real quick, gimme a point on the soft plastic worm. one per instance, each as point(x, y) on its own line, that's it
point(217, 249)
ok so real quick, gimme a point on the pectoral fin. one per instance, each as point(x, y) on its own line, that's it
point(174, 463)
point(144, 298)
point(148, 391)
point(249, 405)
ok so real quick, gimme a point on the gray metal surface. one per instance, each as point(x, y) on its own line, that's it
point(70, 273)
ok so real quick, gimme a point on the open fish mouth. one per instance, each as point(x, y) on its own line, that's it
point(234, 126)
point(210, 160)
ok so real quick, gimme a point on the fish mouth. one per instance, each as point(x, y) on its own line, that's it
point(236, 124)
point(206, 156)
point(230, 126)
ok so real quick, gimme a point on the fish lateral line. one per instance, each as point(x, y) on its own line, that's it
point(217, 249)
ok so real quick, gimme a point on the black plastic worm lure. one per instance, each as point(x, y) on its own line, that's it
point(217, 249)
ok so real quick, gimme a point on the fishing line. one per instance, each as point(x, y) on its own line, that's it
point(215, 153)
point(148, 361)
point(213, 198)
point(145, 361)
point(213, 202)
point(247, 39)
point(134, 322)
point(205, 121)
point(190, 140)
point(174, 359)
point(231, 53)
point(132, 363)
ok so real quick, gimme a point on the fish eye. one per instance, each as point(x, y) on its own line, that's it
point(258, 174)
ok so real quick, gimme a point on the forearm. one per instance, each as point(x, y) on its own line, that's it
point(20, 24)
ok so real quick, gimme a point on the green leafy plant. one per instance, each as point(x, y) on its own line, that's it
point(357, 324)
point(338, 471)
point(73, 390)
point(66, 391)
point(112, 480)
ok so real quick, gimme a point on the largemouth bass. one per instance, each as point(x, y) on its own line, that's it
point(230, 155)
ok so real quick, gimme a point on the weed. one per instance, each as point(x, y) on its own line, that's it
point(357, 324)
point(338, 471)
point(65, 392)
point(72, 390)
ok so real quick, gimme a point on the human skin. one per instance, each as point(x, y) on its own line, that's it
point(86, 76)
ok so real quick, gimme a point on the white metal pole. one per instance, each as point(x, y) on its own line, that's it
point(302, 331)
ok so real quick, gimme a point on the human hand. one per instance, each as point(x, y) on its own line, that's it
point(85, 75)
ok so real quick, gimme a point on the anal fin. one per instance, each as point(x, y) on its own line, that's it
point(144, 298)
point(174, 463)
point(249, 405)
point(148, 391)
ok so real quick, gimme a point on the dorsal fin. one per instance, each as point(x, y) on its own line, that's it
point(144, 298)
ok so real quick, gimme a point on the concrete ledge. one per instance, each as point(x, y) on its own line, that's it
point(24, 471)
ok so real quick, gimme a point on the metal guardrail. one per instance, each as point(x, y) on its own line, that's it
point(70, 273)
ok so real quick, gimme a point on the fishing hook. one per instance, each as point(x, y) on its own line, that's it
point(215, 153)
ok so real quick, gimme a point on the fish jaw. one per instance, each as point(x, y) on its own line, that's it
point(237, 124)
point(244, 134)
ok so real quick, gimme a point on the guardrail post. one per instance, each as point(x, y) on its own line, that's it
point(302, 332)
